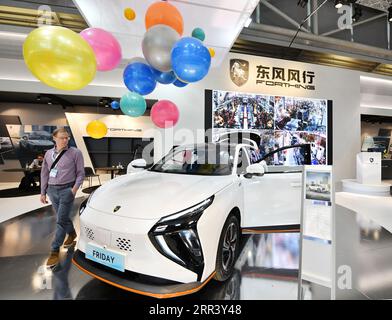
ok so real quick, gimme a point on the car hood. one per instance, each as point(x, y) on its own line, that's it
point(152, 195)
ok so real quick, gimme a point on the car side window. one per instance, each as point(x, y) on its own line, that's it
point(295, 156)
point(253, 155)
point(243, 161)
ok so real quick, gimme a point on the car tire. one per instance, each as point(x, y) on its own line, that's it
point(228, 249)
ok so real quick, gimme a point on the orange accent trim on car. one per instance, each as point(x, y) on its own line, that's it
point(150, 294)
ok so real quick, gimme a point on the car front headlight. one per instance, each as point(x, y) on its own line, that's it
point(176, 237)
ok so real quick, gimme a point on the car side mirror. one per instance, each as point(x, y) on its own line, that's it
point(256, 169)
point(265, 166)
point(137, 165)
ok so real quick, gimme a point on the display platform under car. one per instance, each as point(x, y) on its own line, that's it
point(167, 230)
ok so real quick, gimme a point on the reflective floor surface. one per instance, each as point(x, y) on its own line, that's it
point(363, 252)
point(267, 267)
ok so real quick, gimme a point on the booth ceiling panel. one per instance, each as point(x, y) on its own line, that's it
point(221, 20)
point(25, 17)
point(64, 6)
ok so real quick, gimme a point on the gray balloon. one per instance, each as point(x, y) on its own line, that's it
point(157, 44)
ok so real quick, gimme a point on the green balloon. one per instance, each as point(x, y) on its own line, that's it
point(198, 33)
point(133, 104)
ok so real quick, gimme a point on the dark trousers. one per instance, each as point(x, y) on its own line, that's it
point(62, 200)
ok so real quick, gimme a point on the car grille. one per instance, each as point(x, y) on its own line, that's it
point(89, 233)
point(115, 240)
point(124, 244)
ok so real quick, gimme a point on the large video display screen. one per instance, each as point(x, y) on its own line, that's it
point(279, 121)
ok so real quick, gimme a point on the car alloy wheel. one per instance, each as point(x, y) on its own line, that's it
point(229, 246)
point(228, 249)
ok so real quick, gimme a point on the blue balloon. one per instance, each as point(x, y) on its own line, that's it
point(180, 84)
point(139, 78)
point(190, 59)
point(164, 77)
point(115, 105)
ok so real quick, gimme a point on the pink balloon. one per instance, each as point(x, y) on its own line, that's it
point(106, 48)
point(165, 114)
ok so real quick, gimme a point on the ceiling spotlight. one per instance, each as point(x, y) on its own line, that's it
point(390, 14)
point(302, 3)
point(38, 98)
point(338, 4)
point(357, 12)
point(50, 102)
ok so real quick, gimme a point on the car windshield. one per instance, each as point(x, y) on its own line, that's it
point(207, 159)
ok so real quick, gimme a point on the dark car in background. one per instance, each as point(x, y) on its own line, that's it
point(36, 142)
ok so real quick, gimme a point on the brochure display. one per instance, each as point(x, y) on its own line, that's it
point(316, 227)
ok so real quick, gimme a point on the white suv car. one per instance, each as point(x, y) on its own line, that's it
point(179, 222)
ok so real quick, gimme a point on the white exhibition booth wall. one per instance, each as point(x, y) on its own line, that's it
point(336, 84)
point(118, 126)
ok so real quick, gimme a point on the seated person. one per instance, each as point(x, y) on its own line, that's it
point(32, 176)
point(37, 163)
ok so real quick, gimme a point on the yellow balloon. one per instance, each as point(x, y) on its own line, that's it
point(97, 129)
point(129, 14)
point(60, 58)
point(212, 52)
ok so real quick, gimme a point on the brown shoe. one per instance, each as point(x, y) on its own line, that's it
point(53, 259)
point(69, 242)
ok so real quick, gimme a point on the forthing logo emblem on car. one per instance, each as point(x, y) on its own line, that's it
point(116, 209)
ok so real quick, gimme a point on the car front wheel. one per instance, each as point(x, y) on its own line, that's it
point(228, 249)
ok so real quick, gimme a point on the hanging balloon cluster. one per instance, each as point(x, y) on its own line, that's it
point(65, 60)
point(168, 59)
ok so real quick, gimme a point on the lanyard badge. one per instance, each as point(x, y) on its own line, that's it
point(53, 173)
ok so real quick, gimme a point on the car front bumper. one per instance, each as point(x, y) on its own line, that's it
point(135, 282)
point(130, 237)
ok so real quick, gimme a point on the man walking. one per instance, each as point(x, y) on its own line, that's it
point(62, 174)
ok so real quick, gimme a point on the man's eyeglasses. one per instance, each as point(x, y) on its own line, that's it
point(62, 138)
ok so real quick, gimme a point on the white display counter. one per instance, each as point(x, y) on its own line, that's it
point(381, 189)
point(375, 208)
